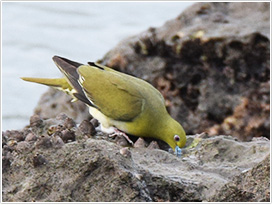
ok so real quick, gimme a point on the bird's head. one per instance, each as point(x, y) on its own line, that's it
point(175, 136)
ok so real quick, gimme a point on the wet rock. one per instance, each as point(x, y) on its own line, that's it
point(61, 117)
point(6, 158)
point(5, 163)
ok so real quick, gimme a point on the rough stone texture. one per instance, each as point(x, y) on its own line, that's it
point(244, 189)
point(49, 169)
point(211, 64)
point(54, 102)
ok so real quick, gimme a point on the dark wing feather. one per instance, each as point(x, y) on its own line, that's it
point(69, 69)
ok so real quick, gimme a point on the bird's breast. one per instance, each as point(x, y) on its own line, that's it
point(103, 119)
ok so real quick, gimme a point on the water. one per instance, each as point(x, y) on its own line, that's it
point(33, 32)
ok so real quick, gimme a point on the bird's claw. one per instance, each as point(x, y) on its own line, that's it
point(118, 132)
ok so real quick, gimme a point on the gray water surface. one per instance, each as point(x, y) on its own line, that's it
point(33, 32)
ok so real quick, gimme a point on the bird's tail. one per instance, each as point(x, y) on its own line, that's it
point(58, 83)
point(69, 84)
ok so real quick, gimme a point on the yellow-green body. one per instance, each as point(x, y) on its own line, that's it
point(120, 100)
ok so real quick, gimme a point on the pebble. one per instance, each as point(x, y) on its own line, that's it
point(140, 143)
point(202, 135)
point(13, 135)
point(153, 145)
point(125, 152)
point(22, 146)
point(57, 141)
point(87, 128)
point(122, 141)
point(69, 123)
point(62, 116)
point(67, 135)
point(43, 142)
point(138, 176)
point(95, 122)
point(35, 121)
point(11, 143)
point(39, 160)
point(31, 137)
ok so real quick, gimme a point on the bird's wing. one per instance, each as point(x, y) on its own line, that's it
point(116, 95)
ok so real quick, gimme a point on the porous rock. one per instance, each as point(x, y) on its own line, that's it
point(211, 64)
point(97, 170)
point(214, 75)
point(54, 102)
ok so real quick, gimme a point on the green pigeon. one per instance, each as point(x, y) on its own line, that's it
point(120, 102)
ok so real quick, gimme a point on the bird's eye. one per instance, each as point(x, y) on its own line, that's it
point(176, 138)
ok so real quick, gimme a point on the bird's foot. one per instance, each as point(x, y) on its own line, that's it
point(118, 132)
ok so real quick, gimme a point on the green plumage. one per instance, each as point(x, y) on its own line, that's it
point(118, 100)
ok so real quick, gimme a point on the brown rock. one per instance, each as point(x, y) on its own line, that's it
point(39, 160)
point(122, 141)
point(54, 102)
point(153, 145)
point(205, 65)
point(250, 186)
point(35, 121)
point(140, 143)
point(95, 122)
point(87, 128)
point(68, 136)
point(31, 137)
point(43, 142)
point(215, 169)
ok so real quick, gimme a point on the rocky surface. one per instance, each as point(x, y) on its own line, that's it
point(211, 64)
point(55, 160)
point(251, 185)
point(54, 102)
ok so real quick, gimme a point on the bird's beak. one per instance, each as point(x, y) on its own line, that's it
point(178, 151)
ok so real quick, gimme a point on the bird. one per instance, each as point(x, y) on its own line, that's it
point(123, 104)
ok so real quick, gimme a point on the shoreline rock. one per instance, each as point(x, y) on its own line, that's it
point(211, 64)
point(95, 168)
